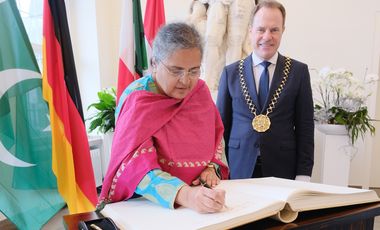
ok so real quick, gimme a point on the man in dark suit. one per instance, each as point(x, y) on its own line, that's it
point(266, 105)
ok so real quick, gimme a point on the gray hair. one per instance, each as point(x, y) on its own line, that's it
point(175, 36)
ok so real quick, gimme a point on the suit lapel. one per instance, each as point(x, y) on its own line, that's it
point(250, 80)
point(276, 80)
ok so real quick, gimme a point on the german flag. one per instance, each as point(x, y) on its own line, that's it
point(71, 160)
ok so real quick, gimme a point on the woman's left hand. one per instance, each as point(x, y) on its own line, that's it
point(208, 176)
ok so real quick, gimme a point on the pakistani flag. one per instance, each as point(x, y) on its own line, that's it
point(28, 193)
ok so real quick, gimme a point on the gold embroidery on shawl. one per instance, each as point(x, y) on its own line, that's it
point(183, 164)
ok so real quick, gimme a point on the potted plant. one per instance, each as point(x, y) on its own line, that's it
point(104, 119)
point(341, 100)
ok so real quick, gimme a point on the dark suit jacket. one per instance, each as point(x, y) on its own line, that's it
point(287, 148)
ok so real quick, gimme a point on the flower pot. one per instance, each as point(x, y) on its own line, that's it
point(332, 129)
point(333, 152)
point(107, 145)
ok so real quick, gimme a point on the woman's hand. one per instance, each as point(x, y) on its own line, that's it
point(208, 176)
point(201, 199)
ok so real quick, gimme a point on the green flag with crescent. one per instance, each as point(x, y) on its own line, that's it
point(28, 193)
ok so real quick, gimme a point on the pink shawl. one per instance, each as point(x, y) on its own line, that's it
point(154, 131)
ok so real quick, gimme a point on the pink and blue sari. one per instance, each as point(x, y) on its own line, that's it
point(154, 131)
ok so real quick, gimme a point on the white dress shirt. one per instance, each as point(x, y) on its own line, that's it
point(258, 69)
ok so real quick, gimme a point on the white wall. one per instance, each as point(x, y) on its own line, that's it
point(339, 33)
point(375, 169)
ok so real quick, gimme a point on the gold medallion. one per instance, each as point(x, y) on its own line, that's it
point(261, 123)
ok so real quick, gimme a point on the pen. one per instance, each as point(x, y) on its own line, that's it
point(204, 184)
point(96, 227)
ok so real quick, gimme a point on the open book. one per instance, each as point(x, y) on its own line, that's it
point(247, 200)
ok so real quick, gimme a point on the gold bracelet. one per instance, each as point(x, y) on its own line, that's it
point(210, 165)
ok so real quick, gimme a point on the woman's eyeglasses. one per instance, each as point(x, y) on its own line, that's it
point(180, 73)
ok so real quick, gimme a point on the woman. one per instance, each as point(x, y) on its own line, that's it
point(168, 132)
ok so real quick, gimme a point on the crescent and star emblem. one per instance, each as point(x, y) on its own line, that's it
point(10, 78)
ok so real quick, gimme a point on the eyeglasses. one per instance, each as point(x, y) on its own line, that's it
point(180, 73)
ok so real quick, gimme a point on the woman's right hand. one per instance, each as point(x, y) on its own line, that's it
point(201, 199)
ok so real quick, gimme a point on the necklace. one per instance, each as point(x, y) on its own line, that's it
point(261, 122)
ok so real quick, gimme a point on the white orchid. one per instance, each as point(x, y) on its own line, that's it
point(340, 99)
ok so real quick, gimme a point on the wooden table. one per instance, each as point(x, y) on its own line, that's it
point(349, 217)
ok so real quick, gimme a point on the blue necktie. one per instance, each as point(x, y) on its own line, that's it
point(264, 84)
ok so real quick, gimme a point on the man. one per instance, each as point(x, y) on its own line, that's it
point(266, 105)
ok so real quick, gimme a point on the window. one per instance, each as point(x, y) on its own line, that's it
point(31, 14)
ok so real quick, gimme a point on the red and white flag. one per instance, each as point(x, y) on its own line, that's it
point(154, 18)
point(132, 57)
